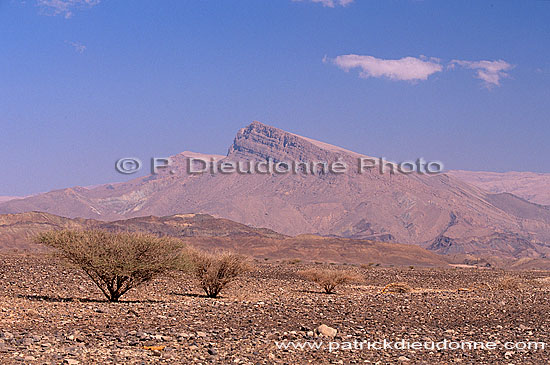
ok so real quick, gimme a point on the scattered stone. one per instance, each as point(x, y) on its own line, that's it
point(8, 336)
point(327, 331)
point(71, 362)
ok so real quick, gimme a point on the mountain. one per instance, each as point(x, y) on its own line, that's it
point(531, 186)
point(439, 212)
point(6, 198)
point(207, 232)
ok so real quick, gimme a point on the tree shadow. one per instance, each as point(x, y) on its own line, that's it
point(195, 295)
point(314, 292)
point(54, 299)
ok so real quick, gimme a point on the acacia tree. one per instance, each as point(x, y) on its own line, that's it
point(116, 262)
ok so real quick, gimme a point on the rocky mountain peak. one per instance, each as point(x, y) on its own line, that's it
point(261, 141)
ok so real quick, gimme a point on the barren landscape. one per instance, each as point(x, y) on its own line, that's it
point(274, 182)
point(53, 314)
point(445, 243)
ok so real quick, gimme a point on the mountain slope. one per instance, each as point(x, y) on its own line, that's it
point(17, 230)
point(7, 198)
point(530, 186)
point(440, 212)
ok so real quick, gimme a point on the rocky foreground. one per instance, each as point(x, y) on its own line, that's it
point(52, 314)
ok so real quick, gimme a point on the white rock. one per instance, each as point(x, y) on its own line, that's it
point(326, 330)
point(71, 362)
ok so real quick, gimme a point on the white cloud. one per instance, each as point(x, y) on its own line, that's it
point(79, 47)
point(407, 68)
point(489, 71)
point(64, 7)
point(330, 3)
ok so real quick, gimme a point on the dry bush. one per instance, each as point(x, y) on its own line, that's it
point(397, 288)
point(328, 279)
point(215, 271)
point(116, 262)
point(508, 283)
point(479, 287)
point(294, 261)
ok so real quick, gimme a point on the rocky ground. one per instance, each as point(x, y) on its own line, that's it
point(51, 314)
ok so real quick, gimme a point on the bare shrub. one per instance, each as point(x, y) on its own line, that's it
point(481, 287)
point(215, 271)
point(294, 261)
point(508, 283)
point(328, 279)
point(116, 262)
point(397, 288)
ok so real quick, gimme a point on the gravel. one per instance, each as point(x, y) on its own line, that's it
point(52, 314)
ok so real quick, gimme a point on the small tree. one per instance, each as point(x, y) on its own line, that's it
point(328, 279)
point(215, 271)
point(116, 262)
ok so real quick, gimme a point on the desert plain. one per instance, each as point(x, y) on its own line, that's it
point(53, 314)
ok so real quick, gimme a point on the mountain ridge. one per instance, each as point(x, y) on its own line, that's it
point(531, 186)
point(209, 233)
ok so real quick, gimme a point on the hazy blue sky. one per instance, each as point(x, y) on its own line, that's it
point(85, 82)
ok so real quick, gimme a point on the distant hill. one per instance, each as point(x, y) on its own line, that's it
point(531, 186)
point(7, 198)
point(207, 232)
